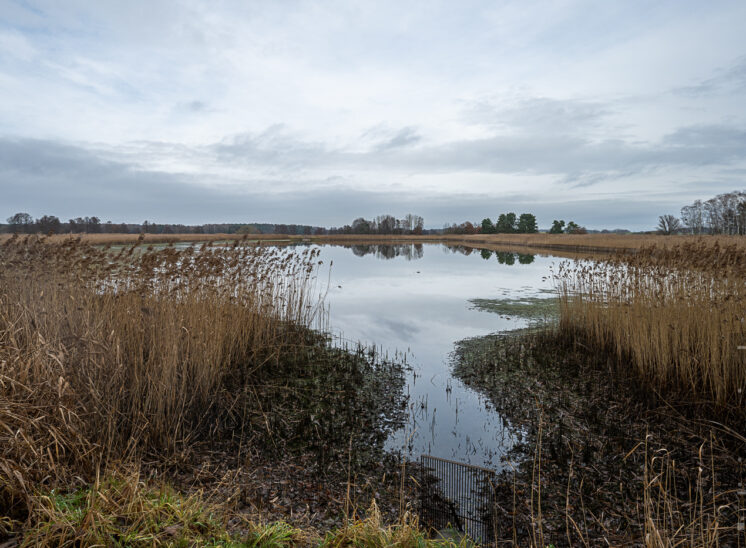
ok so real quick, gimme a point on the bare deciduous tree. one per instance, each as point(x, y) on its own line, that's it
point(668, 224)
point(723, 214)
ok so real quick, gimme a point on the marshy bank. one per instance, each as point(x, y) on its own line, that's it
point(629, 404)
point(195, 367)
point(559, 244)
point(600, 457)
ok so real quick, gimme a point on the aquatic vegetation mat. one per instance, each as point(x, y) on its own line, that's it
point(537, 310)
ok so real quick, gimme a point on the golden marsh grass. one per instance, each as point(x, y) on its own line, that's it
point(675, 315)
point(108, 356)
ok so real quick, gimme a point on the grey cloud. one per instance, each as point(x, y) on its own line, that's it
point(196, 106)
point(729, 80)
point(574, 159)
point(542, 114)
point(403, 138)
point(571, 157)
point(730, 140)
point(55, 178)
point(272, 147)
point(44, 177)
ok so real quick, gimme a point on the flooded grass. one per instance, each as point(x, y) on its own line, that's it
point(339, 403)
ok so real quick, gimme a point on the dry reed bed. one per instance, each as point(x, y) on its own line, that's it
point(109, 356)
point(574, 242)
point(675, 315)
point(129, 239)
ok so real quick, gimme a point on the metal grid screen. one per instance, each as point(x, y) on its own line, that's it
point(458, 496)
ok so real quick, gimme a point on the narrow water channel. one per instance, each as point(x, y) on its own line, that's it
point(419, 300)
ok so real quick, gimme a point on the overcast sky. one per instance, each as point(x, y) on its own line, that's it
point(606, 112)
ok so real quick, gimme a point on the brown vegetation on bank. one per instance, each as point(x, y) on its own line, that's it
point(106, 357)
point(107, 354)
point(599, 462)
point(598, 243)
point(194, 365)
point(675, 315)
point(115, 355)
point(592, 243)
point(129, 239)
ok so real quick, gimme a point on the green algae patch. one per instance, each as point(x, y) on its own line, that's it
point(535, 310)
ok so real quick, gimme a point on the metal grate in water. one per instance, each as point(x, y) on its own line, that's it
point(458, 496)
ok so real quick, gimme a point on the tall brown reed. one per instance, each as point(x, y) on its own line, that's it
point(674, 315)
point(108, 355)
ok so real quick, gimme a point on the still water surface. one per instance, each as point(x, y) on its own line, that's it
point(416, 300)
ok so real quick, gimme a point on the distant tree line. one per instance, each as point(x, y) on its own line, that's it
point(715, 212)
point(23, 223)
point(507, 223)
point(723, 214)
point(383, 224)
point(559, 227)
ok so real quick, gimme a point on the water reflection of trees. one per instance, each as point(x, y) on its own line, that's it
point(458, 248)
point(416, 251)
point(389, 251)
point(503, 257)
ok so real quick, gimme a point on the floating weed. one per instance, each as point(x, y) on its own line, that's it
point(534, 309)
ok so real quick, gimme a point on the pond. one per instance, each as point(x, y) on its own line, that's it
point(417, 301)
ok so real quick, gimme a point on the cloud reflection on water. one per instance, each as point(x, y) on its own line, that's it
point(417, 299)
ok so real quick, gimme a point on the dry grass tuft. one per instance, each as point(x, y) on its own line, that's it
point(372, 532)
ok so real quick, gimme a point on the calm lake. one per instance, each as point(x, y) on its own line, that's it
point(420, 300)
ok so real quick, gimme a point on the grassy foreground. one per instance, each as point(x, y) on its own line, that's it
point(115, 366)
point(122, 510)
